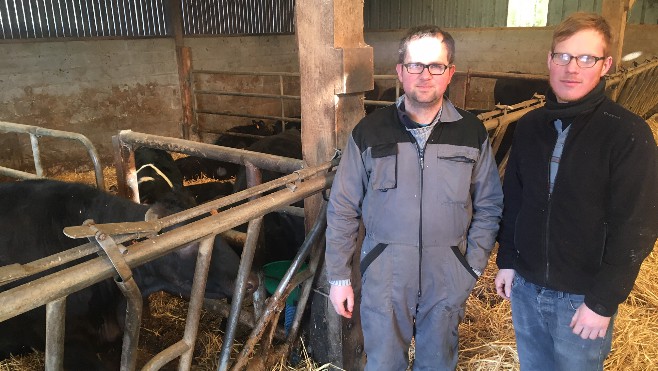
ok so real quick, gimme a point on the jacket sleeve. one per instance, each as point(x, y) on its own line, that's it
point(344, 212)
point(487, 197)
point(512, 189)
point(632, 218)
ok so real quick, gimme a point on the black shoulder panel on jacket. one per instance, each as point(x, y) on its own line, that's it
point(382, 126)
point(468, 132)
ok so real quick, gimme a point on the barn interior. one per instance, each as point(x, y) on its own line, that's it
point(123, 75)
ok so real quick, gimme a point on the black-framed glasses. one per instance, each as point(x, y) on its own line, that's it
point(583, 61)
point(418, 68)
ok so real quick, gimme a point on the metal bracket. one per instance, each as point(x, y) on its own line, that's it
point(112, 250)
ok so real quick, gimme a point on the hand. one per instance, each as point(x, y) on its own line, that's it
point(503, 282)
point(588, 324)
point(338, 295)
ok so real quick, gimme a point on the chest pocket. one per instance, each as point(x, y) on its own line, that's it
point(455, 166)
point(384, 166)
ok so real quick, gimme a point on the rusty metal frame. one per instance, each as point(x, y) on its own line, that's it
point(281, 97)
point(35, 132)
point(54, 287)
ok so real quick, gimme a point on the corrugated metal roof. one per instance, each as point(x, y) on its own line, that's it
point(400, 14)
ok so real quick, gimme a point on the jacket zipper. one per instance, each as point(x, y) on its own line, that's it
point(421, 162)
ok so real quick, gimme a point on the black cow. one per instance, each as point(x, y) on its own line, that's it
point(371, 95)
point(32, 217)
point(236, 137)
point(157, 175)
point(509, 91)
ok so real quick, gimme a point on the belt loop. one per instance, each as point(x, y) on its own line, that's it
point(561, 294)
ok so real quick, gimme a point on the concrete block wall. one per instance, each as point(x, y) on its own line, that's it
point(92, 87)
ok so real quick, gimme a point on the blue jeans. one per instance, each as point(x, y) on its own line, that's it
point(544, 339)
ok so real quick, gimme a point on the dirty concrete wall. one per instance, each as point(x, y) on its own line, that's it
point(92, 87)
point(276, 53)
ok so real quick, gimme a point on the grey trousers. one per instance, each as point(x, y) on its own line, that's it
point(391, 307)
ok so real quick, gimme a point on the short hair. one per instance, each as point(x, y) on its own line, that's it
point(419, 32)
point(577, 22)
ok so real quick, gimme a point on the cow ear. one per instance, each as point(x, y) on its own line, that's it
point(156, 211)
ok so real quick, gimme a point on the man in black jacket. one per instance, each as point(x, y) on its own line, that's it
point(580, 210)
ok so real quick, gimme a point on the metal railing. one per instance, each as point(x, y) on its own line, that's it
point(51, 290)
point(281, 97)
point(35, 132)
point(125, 143)
point(635, 88)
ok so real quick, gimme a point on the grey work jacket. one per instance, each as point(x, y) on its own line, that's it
point(451, 196)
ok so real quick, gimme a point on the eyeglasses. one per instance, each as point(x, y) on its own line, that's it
point(418, 68)
point(583, 61)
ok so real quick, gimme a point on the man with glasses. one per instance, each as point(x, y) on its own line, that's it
point(421, 176)
point(581, 212)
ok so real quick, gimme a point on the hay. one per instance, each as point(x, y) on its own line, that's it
point(487, 336)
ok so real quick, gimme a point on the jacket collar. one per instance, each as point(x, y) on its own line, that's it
point(447, 113)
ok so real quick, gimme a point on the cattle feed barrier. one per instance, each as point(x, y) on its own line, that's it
point(54, 287)
point(35, 132)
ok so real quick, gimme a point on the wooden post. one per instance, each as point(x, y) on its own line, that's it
point(336, 67)
point(616, 13)
point(184, 62)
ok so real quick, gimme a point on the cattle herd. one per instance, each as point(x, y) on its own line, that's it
point(39, 210)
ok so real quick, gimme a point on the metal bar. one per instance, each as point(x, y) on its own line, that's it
point(130, 290)
point(259, 296)
point(36, 155)
point(251, 95)
point(283, 108)
point(267, 117)
point(166, 356)
point(234, 237)
point(55, 324)
point(508, 117)
point(196, 301)
point(246, 73)
point(292, 210)
point(17, 173)
point(254, 178)
point(10, 127)
point(10, 273)
point(132, 323)
point(253, 231)
point(245, 266)
point(237, 156)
